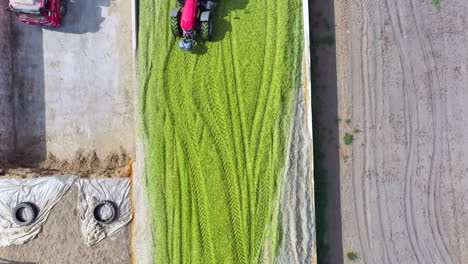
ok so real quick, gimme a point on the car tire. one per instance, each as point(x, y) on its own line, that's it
point(18, 216)
point(100, 206)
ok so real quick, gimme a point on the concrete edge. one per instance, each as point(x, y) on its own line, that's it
point(307, 84)
point(141, 234)
point(141, 231)
point(134, 27)
point(306, 68)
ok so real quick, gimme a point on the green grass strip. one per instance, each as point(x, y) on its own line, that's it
point(216, 123)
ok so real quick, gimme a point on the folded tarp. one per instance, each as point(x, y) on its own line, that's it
point(93, 192)
point(44, 193)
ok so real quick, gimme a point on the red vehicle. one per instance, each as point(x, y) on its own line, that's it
point(195, 18)
point(39, 12)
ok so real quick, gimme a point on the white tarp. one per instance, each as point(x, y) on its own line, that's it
point(92, 192)
point(43, 192)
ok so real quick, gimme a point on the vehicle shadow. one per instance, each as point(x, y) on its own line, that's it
point(221, 22)
point(27, 82)
point(326, 131)
point(222, 17)
point(83, 16)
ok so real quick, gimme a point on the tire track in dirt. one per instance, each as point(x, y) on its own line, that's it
point(380, 104)
point(434, 84)
point(409, 113)
point(399, 204)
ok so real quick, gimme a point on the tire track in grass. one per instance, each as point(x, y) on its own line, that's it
point(263, 186)
point(198, 110)
point(211, 109)
point(221, 137)
point(237, 136)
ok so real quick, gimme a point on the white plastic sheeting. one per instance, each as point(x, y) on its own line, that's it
point(43, 192)
point(92, 192)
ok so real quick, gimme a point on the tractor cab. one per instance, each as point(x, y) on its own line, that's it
point(39, 12)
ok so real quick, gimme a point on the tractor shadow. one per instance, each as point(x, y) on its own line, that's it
point(222, 24)
point(224, 12)
point(200, 48)
point(83, 16)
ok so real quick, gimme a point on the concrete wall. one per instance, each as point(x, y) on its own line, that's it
point(6, 89)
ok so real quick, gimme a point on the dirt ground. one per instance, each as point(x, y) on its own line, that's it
point(402, 84)
point(85, 165)
point(60, 241)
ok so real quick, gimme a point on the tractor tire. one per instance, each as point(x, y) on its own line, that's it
point(24, 214)
point(63, 8)
point(181, 2)
point(206, 30)
point(97, 212)
point(175, 28)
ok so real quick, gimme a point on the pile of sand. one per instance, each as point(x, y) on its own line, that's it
point(84, 164)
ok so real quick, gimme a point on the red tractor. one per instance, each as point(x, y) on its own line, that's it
point(195, 18)
point(39, 12)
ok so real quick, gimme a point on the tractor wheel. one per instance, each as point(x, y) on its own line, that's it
point(206, 29)
point(175, 28)
point(181, 2)
point(63, 8)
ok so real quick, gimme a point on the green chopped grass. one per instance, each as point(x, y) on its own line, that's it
point(216, 123)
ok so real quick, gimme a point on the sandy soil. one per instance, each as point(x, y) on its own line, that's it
point(402, 75)
point(86, 165)
point(61, 242)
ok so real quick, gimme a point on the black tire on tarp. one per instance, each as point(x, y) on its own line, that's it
point(18, 213)
point(113, 212)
